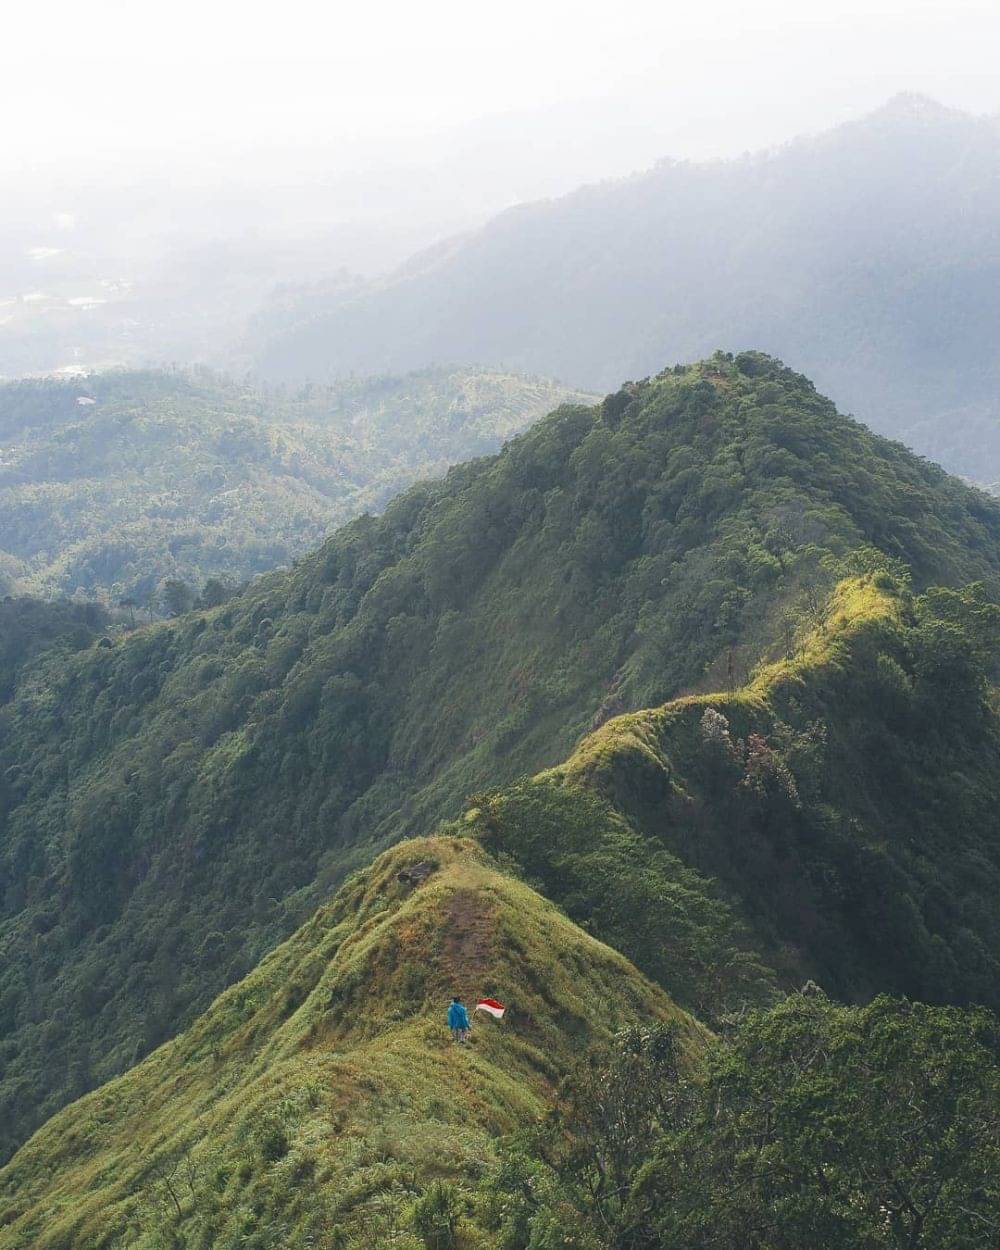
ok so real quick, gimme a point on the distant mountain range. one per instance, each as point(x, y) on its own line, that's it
point(112, 483)
point(868, 257)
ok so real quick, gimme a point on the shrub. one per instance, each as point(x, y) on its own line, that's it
point(274, 1143)
point(435, 1216)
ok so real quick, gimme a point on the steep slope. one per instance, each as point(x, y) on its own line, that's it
point(175, 804)
point(112, 483)
point(844, 806)
point(317, 1098)
point(29, 627)
point(867, 258)
point(320, 1101)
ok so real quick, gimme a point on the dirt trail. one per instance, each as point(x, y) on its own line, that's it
point(468, 942)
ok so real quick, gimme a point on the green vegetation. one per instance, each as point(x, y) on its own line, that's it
point(838, 1127)
point(321, 1101)
point(788, 772)
point(30, 626)
point(866, 257)
point(186, 476)
point(811, 1124)
point(845, 805)
point(642, 899)
point(175, 804)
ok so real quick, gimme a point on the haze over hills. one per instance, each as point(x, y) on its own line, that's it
point(500, 626)
point(176, 801)
point(867, 258)
point(103, 268)
point(113, 483)
point(163, 258)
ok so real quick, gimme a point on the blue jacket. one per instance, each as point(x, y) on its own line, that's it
point(458, 1017)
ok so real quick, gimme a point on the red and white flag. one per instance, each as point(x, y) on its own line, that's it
point(492, 1006)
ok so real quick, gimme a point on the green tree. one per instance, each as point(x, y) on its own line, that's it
point(840, 1127)
point(608, 1112)
point(177, 597)
point(215, 592)
point(129, 603)
point(956, 642)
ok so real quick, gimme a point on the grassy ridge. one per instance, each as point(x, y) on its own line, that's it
point(173, 805)
point(322, 1093)
point(835, 818)
point(320, 1099)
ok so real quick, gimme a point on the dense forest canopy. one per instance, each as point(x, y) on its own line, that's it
point(114, 484)
point(865, 257)
point(30, 626)
point(176, 800)
point(452, 797)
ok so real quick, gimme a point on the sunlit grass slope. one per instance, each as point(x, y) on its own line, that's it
point(857, 609)
point(322, 1093)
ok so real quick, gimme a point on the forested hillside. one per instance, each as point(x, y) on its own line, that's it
point(30, 626)
point(866, 258)
point(846, 802)
point(175, 803)
point(320, 1100)
point(113, 484)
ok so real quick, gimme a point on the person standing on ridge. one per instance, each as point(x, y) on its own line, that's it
point(458, 1021)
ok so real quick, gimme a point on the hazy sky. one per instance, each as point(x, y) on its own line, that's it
point(203, 151)
point(117, 79)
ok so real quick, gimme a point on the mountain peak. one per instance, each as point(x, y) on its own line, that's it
point(903, 119)
point(291, 1079)
point(837, 252)
point(914, 104)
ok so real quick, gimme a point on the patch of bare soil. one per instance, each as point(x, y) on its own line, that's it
point(468, 941)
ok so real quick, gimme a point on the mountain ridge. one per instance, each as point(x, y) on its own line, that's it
point(288, 1084)
point(814, 803)
point(865, 256)
point(175, 803)
point(307, 1100)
